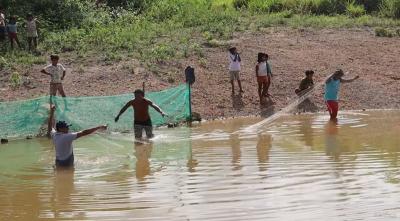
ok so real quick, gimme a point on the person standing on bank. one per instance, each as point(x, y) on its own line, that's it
point(332, 86)
point(142, 120)
point(63, 139)
point(262, 76)
point(57, 73)
point(12, 32)
point(31, 31)
point(234, 68)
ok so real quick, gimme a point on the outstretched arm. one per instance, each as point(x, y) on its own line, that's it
point(127, 105)
point(157, 108)
point(90, 131)
point(349, 80)
point(51, 121)
point(45, 72)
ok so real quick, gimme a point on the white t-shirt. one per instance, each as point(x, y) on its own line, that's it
point(234, 65)
point(63, 143)
point(55, 71)
point(31, 30)
point(262, 69)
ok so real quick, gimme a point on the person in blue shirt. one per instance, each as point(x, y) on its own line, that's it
point(332, 86)
point(12, 31)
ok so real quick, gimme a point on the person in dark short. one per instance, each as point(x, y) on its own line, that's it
point(142, 120)
point(234, 69)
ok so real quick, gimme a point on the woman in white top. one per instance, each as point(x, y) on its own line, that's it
point(234, 68)
point(31, 31)
point(263, 74)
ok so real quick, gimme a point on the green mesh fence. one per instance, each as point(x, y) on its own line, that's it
point(29, 117)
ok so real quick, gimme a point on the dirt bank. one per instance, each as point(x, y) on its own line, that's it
point(376, 60)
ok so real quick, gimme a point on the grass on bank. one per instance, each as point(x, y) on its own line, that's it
point(171, 29)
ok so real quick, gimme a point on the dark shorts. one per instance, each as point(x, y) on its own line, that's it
point(54, 87)
point(138, 127)
point(12, 35)
point(67, 162)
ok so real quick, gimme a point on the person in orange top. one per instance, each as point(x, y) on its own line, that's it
point(142, 118)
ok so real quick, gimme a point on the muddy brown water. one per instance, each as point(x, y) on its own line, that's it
point(298, 168)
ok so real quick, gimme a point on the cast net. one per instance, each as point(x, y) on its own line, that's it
point(29, 117)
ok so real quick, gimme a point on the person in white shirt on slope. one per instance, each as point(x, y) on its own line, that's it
point(234, 68)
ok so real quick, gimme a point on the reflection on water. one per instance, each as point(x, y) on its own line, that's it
point(236, 153)
point(263, 147)
point(62, 194)
point(331, 139)
point(143, 154)
point(302, 167)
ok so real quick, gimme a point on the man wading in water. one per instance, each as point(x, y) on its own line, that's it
point(142, 118)
point(63, 139)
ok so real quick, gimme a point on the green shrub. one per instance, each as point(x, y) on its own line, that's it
point(286, 14)
point(15, 80)
point(265, 5)
point(4, 64)
point(203, 62)
point(166, 9)
point(353, 10)
point(312, 6)
point(207, 35)
point(197, 50)
point(326, 7)
point(306, 6)
point(390, 8)
point(384, 32)
point(137, 5)
point(240, 4)
point(370, 5)
point(59, 14)
point(156, 32)
point(162, 52)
